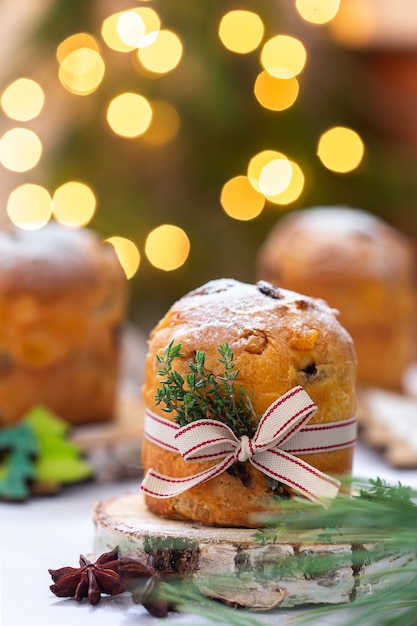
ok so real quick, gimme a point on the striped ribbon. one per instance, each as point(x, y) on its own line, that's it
point(282, 434)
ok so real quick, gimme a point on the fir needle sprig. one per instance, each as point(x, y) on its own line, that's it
point(204, 395)
point(375, 512)
point(379, 519)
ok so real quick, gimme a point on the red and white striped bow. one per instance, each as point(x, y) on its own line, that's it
point(281, 434)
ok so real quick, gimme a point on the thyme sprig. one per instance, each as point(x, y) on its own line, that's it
point(204, 395)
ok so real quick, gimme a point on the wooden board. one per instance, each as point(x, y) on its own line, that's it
point(229, 565)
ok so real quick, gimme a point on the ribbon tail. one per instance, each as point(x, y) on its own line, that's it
point(159, 486)
point(297, 474)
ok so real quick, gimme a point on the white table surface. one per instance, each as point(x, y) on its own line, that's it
point(51, 532)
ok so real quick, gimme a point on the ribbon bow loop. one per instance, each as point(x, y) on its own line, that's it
point(284, 418)
point(205, 440)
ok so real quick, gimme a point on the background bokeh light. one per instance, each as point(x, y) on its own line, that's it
point(241, 31)
point(340, 149)
point(29, 206)
point(131, 29)
point(293, 190)
point(275, 177)
point(81, 71)
point(129, 114)
point(75, 42)
point(283, 56)
point(240, 200)
point(160, 52)
point(167, 247)
point(318, 11)
point(23, 99)
point(20, 149)
point(274, 93)
point(74, 204)
point(111, 33)
point(128, 254)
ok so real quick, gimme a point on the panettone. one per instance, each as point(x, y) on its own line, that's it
point(280, 340)
point(62, 303)
point(360, 265)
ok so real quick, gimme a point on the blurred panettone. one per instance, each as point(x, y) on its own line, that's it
point(62, 303)
point(360, 265)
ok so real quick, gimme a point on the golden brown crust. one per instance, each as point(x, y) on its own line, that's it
point(361, 266)
point(280, 339)
point(62, 301)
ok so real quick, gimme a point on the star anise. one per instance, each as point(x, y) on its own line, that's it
point(89, 580)
point(144, 583)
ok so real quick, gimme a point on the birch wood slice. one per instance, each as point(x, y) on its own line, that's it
point(229, 565)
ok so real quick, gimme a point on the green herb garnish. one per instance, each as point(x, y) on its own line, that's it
point(204, 395)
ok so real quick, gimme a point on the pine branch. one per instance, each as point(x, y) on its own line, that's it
point(380, 514)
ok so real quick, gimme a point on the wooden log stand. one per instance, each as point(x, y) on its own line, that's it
point(229, 565)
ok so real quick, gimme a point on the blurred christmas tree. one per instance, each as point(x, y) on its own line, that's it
point(207, 124)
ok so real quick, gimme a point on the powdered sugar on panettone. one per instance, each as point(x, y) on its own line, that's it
point(279, 337)
point(49, 259)
point(334, 239)
point(239, 306)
